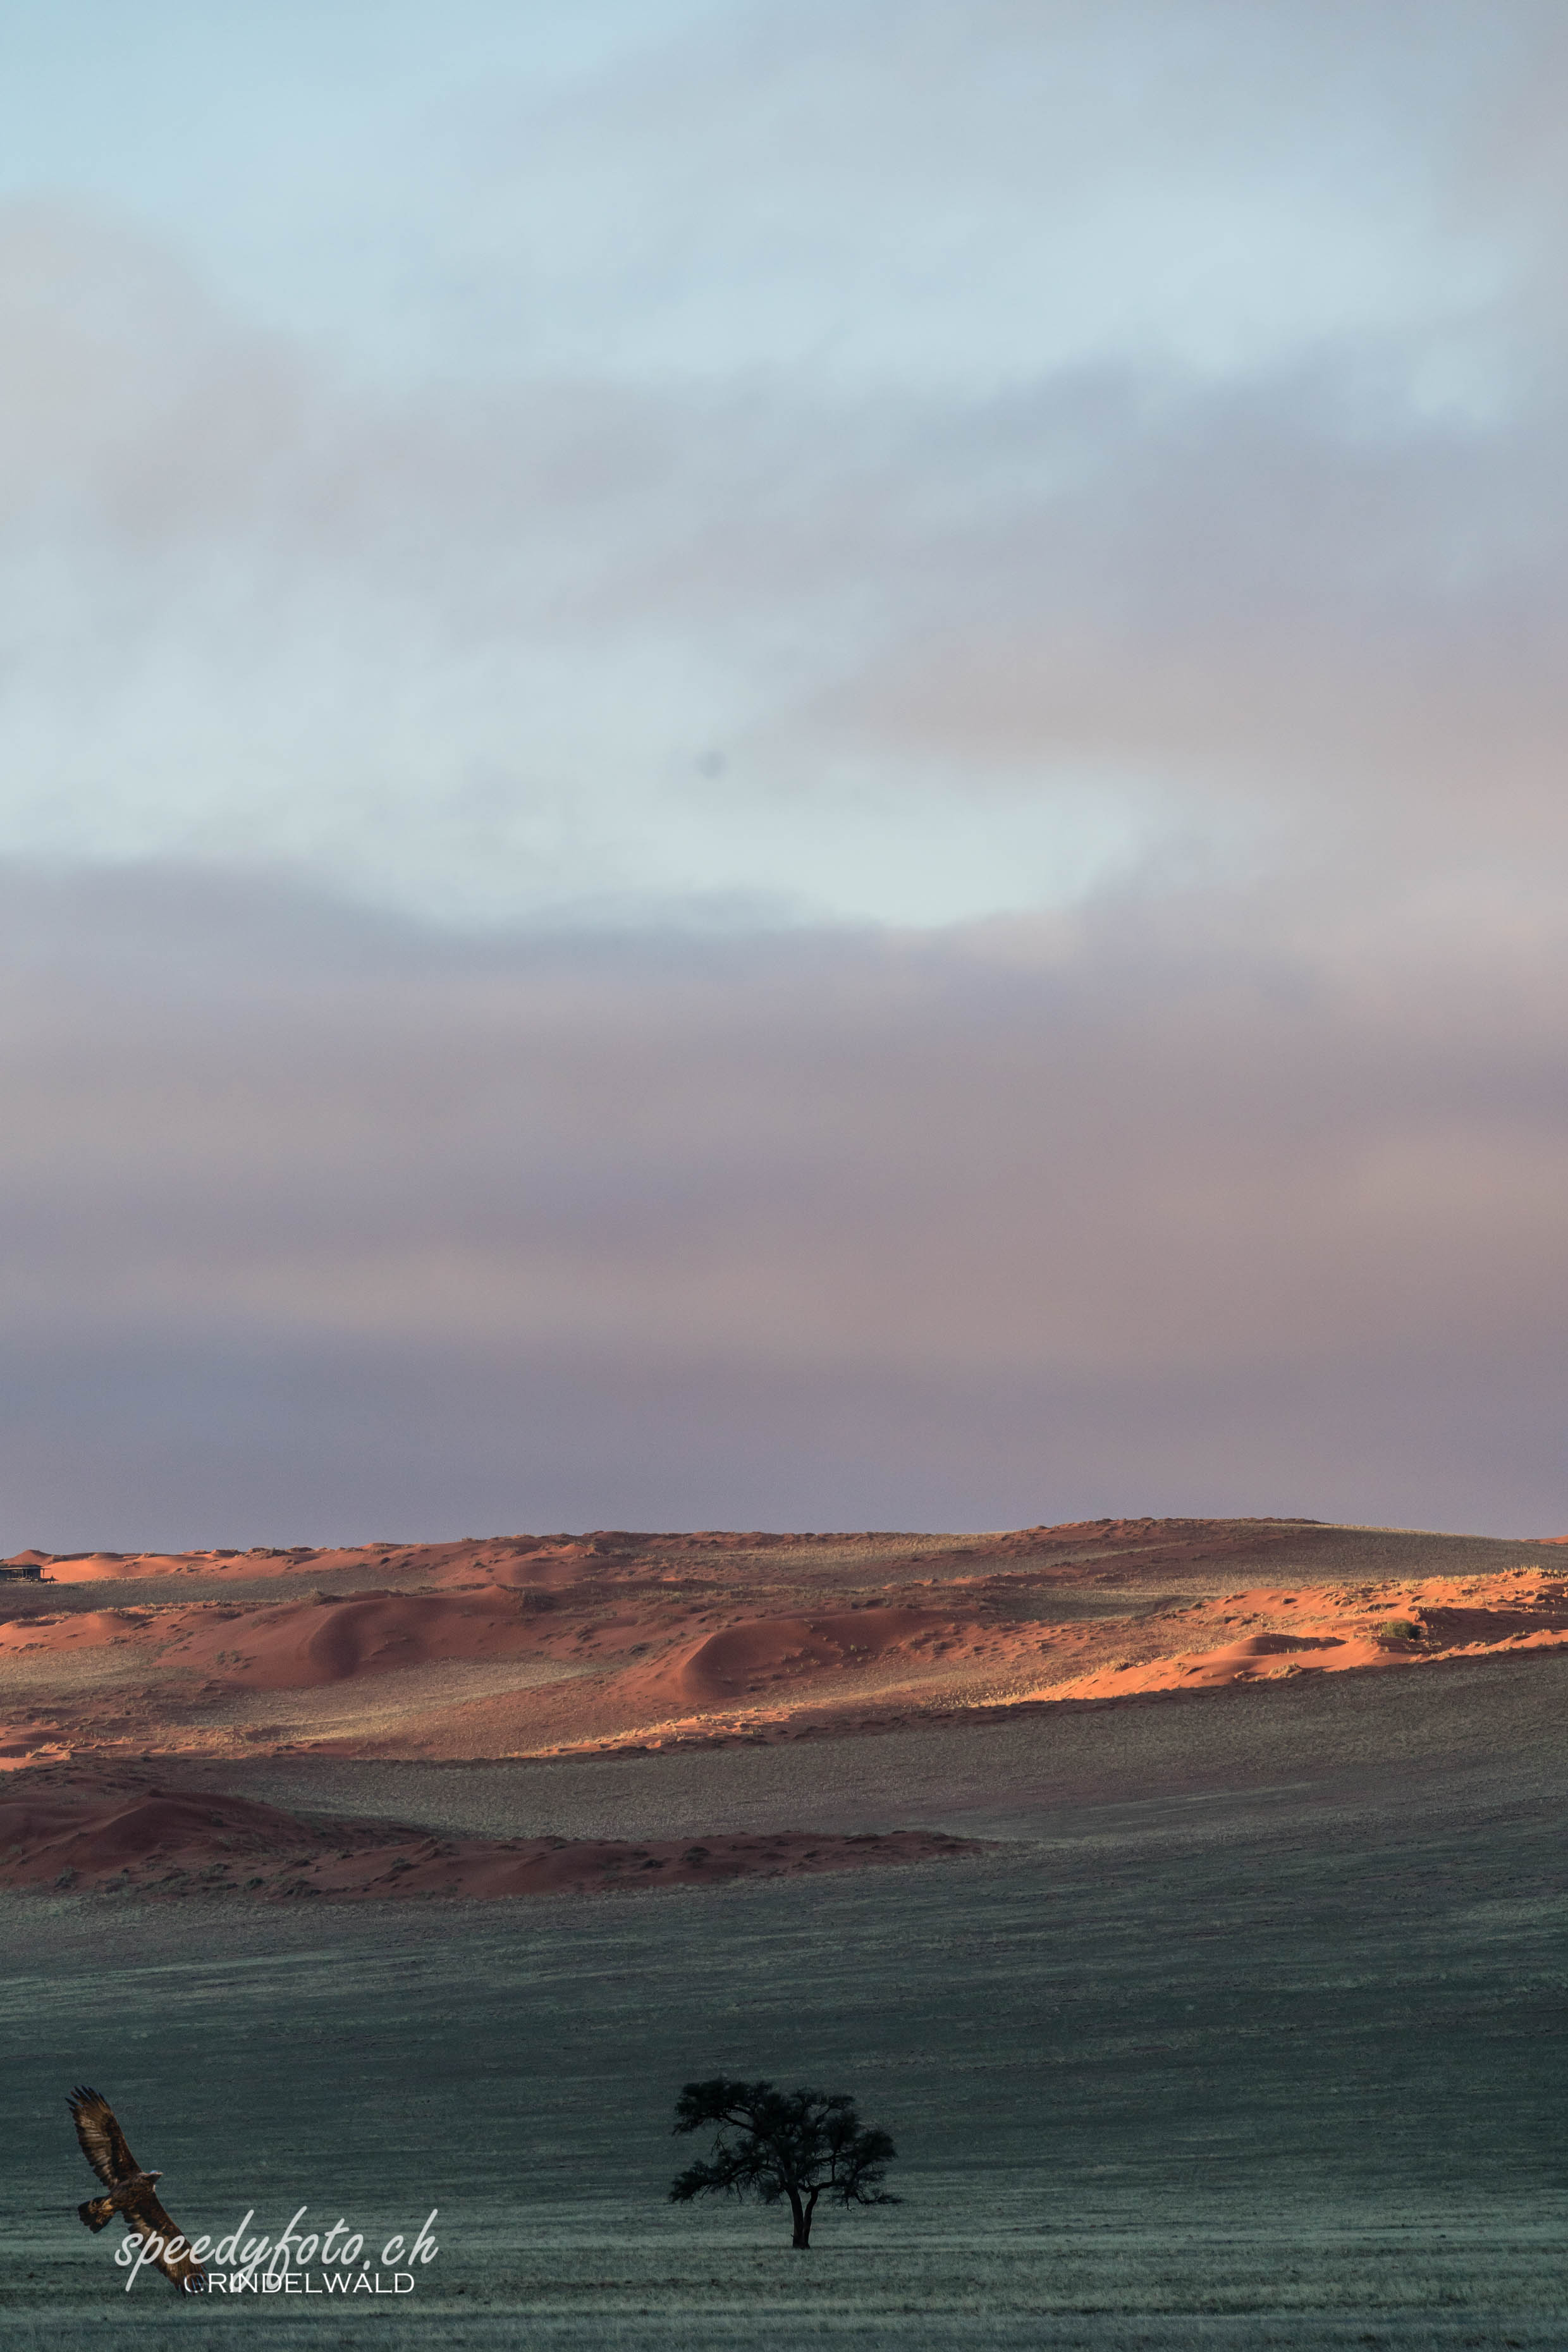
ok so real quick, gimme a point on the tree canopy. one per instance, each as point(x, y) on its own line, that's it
point(771, 2143)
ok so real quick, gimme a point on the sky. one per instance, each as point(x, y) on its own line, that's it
point(781, 766)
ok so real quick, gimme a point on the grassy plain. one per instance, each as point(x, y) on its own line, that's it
point(1253, 2034)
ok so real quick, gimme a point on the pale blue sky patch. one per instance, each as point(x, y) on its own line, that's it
point(432, 435)
point(857, 191)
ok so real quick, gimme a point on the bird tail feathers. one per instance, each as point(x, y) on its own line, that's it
point(97, 2213)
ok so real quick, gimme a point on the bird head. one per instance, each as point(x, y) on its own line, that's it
point(155, 2176)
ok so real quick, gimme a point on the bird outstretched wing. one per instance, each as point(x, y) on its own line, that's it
point(102, 2141)
point(145, 2215)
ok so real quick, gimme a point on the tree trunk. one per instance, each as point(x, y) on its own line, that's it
point(801, 2241)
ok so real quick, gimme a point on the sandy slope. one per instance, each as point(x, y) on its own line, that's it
point(532, 1645)
point(124, 1834)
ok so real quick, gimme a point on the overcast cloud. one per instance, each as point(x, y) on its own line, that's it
point(781, 765)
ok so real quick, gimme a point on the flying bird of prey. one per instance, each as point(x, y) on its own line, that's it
point(130, 2190)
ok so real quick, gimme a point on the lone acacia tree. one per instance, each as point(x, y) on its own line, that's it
point(770, 2143)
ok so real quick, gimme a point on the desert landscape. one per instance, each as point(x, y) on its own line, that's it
point(536, 1647)
point(782, 803)
point(1186, 1897)
point(528, 1648)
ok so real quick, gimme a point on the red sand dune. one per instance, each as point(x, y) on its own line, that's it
point(300, 1646)
point(616, 1638)
point(86, 1629)
point(1332, 1631)
point(763, 1652)
point(79, 1834)
point(97, 1837)
point(116, 1567)
point(307, 1643)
